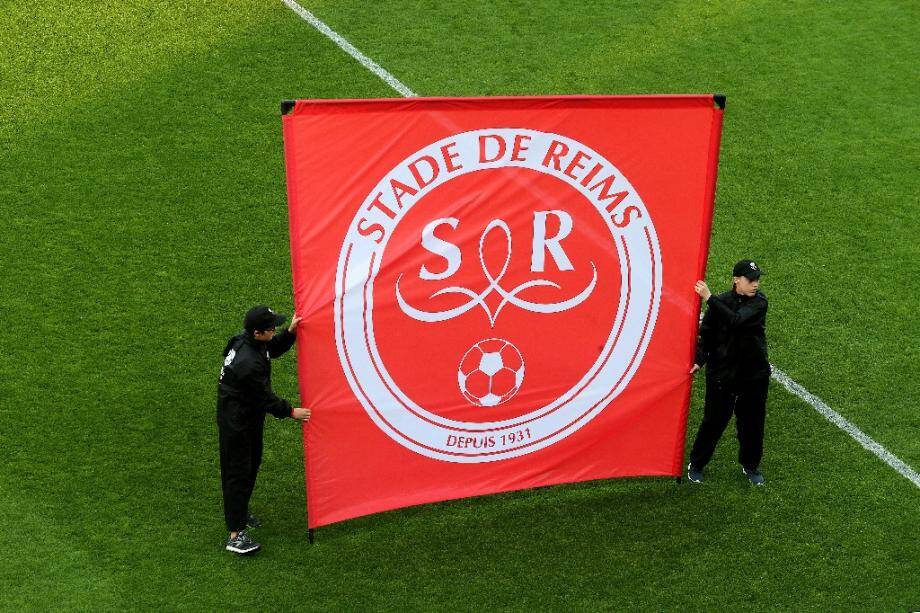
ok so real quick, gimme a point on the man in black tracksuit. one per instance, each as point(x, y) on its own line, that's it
point(733, 346)
point(244, 396)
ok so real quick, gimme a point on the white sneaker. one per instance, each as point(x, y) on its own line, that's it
point(242, 544)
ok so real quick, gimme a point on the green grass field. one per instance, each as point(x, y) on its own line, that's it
point(143, 210)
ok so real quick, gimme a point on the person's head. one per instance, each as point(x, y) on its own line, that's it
point(746, 278)
point(261, 321)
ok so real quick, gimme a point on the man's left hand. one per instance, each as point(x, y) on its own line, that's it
point(703, 290)
point(295, 321)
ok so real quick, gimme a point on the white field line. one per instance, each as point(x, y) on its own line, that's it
point(782, 378)
point(841, 422)
point(348, 48)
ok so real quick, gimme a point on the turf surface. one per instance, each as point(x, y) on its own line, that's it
point(142, 192)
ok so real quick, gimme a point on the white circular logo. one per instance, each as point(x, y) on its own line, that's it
point(490, 375)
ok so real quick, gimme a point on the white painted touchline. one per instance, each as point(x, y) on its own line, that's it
point(782, 378)
point(348, 48)
point(841, 422)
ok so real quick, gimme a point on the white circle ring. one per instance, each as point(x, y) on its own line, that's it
point(632, 234)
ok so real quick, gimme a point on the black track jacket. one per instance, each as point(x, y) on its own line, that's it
point(732, 341)
point(244, 390)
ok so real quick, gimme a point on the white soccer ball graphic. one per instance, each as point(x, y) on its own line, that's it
point(491, 372)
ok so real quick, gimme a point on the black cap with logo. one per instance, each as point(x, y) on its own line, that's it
point(262, 318)
point(747, 268)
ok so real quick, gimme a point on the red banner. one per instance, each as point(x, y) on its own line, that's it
point(497, 293)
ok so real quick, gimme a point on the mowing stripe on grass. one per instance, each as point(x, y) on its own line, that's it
point(348, 48)
point(841, 422)
point(782, 378)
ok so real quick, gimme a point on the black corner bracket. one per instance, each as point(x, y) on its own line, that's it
point(288, 105)
point(719, 99)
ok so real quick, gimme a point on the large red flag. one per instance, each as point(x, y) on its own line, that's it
point(498, 293)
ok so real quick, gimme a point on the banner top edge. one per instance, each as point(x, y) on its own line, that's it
point(300, 105)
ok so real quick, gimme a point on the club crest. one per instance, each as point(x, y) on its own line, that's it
point(467, 268)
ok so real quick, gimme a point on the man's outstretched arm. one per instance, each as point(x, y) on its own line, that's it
point(281, 343)
point(752, 314)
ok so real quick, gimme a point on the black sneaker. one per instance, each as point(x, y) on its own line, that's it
point(253, 522)
point(693, 474)
point(753, 475)
point(242, 544)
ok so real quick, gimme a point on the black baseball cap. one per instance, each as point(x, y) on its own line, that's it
point(747, 268)
point(262, 318)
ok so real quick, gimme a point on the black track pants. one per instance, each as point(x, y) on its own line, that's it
point(748, 401)
point(240, 457)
